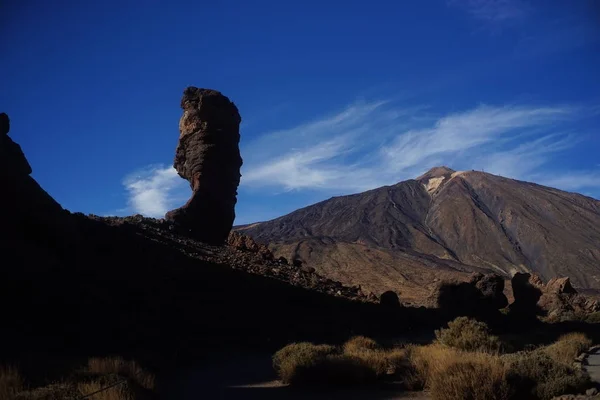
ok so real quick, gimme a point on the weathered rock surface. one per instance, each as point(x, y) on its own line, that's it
point(208, 156)
point(554, 299)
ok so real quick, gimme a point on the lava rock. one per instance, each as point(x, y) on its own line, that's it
point(491, 287)
point(208, 156)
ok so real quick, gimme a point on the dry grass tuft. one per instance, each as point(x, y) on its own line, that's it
point(120, 392)
point(454, 374)
point(10, 382)
point(468, 334)
point(568, 347)
point(360, 343)
point(478, 377)
point(127, 369)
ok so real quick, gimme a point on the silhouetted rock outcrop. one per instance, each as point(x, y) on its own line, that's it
point(555, 299)
point(491, 287)
point(28, 212)
point(480, 296)
point(208, 156)
point(390, 300)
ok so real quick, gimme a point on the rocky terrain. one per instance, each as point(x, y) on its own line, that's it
point(409, 236)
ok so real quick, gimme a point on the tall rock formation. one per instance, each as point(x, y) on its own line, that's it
point(208, 156)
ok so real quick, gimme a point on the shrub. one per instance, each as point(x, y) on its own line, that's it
point(468, 334)
point(535, 375)
point(477, 378)
point(299, 356)
point(362, 361)
point(427, 361)
point(568, 347)
point(10, 382)
point(358, 343)
point(120, 392)
point(127, 369)
point(593, 318)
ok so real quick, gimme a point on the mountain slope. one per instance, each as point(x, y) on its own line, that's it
point(440, 223)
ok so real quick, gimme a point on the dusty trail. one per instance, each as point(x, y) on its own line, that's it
point(250, 377)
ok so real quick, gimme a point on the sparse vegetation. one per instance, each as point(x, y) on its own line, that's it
point(568, 347)
point(468, 334)
point(361, 360)
point(10, 382)
point(100, 373)
point(118, 366)
point(536, 375)
point(120, 392)
point(463, 363)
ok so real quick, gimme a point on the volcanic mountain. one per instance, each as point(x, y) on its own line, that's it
point(445, 223)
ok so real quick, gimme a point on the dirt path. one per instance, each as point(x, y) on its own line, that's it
point(593, 365)
point(250, 376)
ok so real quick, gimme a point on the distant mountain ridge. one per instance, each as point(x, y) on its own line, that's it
point(406, 236)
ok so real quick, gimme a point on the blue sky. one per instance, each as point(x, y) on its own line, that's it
point(335, 97)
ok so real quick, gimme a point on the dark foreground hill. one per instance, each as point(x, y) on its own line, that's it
point(76, 286)
point(410, 235)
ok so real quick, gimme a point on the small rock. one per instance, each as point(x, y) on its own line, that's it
point(591, 392)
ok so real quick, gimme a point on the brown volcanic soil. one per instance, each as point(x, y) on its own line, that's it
point(421, 230)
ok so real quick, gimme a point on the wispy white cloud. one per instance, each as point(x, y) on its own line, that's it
point(493, 10)
point(576, 180)
point(374, 144)
point(371, 144)
point(154, 190)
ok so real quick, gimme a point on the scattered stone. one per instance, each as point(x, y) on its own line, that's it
point(246, 243)
point(208, 156)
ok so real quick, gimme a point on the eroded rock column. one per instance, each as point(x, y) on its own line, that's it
point(208, 156)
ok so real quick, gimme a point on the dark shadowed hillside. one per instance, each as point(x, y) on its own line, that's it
point(407, 236)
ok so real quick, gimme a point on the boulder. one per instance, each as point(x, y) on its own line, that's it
point(208, 156)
